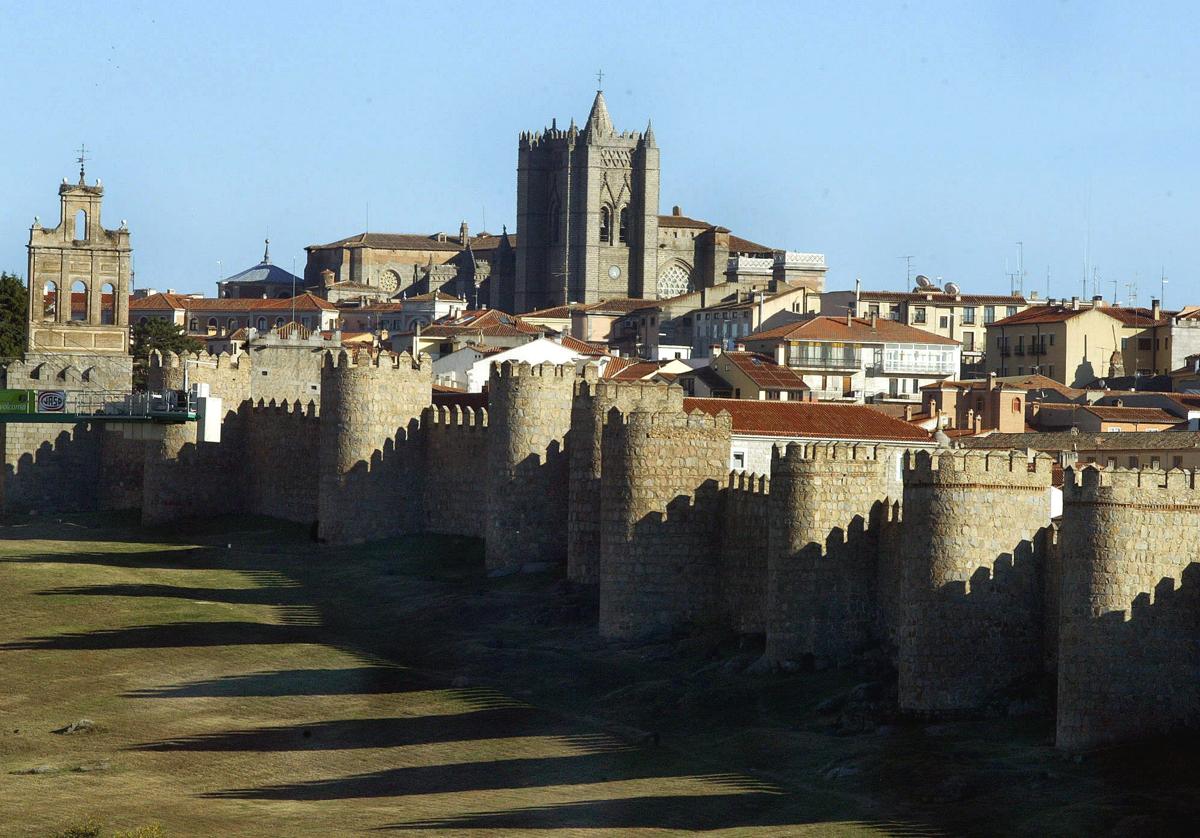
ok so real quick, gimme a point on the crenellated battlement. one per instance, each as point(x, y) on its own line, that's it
point(283, 408)
point(1094, 484)
point(799, 454)
point(401, 363)
point(1015, 468)
point(174, 360)
point(658, 424)
point(442, 417)
point(749, 482)
point(524, 369)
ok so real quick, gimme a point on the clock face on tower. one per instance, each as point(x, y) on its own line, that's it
point(614, 272)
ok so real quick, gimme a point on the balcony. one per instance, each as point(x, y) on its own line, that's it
point(1005, 351)
point(1020, 350)
point(825, 360)
point(1037, 350)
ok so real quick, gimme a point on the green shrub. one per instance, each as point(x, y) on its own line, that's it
point(86, 828)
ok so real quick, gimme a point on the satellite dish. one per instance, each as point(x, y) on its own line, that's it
point(924, 281)
point(952, 288)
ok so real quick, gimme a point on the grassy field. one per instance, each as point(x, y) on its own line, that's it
point(243, 681)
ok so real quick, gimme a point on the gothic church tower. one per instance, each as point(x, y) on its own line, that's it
point(587, 214)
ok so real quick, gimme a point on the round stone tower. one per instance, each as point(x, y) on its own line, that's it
point(529, 416)
point(593, 400)
point(1129, 664)
point(371, 464)
point(823, 556)
point(972, 585)
point(660, 514)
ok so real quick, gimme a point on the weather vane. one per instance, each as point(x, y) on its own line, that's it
point(81, 159)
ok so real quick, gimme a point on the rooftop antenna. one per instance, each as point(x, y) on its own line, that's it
point(81, 159)
point(1021, 267)
point(907, 268)
point(1162, 287)
point(1047, 282)
point(294, 293)
point(367, 229)
point(1131, 288)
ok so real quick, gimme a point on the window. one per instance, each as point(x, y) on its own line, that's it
point(1155, 462)
point(1143, 343)
point(943, 322)
point(212, 325)
point(1052, 338)
point(739, 460)
point(873, 309)
point(232, 324)
point(1016, 405)
point(623, 225)
point(773, 395)
point(989, 315)
point(968, 314)
point(1133, 462)
point(919, 314)
point(1177, 461)
point(1011, 311)
point(79, 300)
point(1124, 343)
point(81, 233)
point(193, 325)
point(1112, 462)
point(108, 304)
point(50, 301)
point(968, 341)
point(261, 324)
point(605, 224)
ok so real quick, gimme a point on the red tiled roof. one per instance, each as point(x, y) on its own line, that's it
point(556, 313)
point(303, 302)
point(413, 241)
point(1022, 382)
point(628, 369)
point(859, 330)
point(739, 245)
point(490, 322)
point(619, 305)
point(159, 301)
point(682, 221)
point(1059, 314)
point(809, 419)
point(764, 372)
point(1131, 414)
point(583, 347)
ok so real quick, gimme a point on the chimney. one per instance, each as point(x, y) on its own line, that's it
point(874, 319)
point(1074, 304)
point(1098, 301)
point(327, 278)
point(675, 211)
point(849, 314)
point(1156, 309)
point(714, 350)
point(740, 347)
point(908, 412)
point(991, 379)
point(977, 427)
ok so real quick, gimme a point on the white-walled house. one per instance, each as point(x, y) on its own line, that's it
point(468, 368)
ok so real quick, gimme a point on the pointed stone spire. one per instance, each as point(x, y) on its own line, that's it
point(648, 137)
point(599, 123)
point(266, 252)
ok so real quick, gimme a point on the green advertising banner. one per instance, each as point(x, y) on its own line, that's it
point(17, 401)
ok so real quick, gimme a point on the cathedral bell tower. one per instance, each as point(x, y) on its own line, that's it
point(587, 213)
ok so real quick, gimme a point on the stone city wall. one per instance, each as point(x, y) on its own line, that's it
point(1129, 650)
point(592, 402)
point(456, 451)
point(743, 555)
point(279, 466)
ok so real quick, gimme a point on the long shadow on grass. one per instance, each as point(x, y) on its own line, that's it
point(268, 594)
point(358, 680)
point(500, 723)
point(691, 813)
point(490, 775)
point(173, 635)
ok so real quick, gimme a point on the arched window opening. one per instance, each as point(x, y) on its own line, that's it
point(193, 325)
point(233, 324)
point(673, 281)
point(605, 224)
point(108, 304)
point(50, 300)
point(81, 232)
point(623, 226)
point(79, 300)
point(261, 325)
point(212, 325)
point(278, 322)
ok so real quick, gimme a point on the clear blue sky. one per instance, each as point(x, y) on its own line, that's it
point(864, 131)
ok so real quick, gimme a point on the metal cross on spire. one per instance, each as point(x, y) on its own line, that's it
point(599, 79)
point(81, 159)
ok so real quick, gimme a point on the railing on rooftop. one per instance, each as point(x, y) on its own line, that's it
point(844, 360)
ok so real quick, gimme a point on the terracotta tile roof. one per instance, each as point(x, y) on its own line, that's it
point(810, 419)
point(828, 328)
point(630, 369)
point(435, 296)
point(764, 372)
point(1131, 414)
point(160, 301)
point(683, 221)
point(583, 347)
point(1072, 441)
point(414, 241)
point(1059, 314)
point(739, 245)
point(942, 297)
point(556, 313)
point(620, 305)
point(490, 322)
point(1022, 382)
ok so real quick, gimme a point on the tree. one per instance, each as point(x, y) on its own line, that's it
point(13, 312)
point(163, 336)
